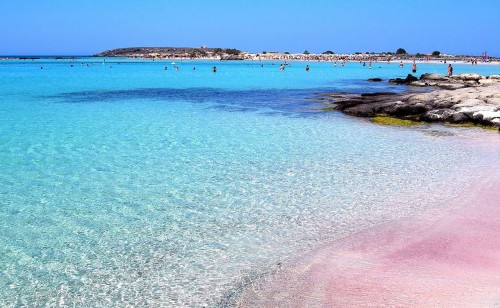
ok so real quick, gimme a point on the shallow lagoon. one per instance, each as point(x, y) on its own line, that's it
point(124, 183)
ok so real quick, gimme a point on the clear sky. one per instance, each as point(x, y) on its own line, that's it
point(83, 27)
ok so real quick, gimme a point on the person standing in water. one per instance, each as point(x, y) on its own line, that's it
point(307, 68)
point(450, 70)
point(414, 67)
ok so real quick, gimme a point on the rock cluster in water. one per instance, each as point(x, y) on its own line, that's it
point(464, 98)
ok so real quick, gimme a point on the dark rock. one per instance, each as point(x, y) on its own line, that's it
point(377, 94)
point(361, 111)
point(401, 109)
point(375, 79)
point(459, 118)
point(410, 78)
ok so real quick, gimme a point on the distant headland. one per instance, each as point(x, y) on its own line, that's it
point(175, 52)
point(235, 54)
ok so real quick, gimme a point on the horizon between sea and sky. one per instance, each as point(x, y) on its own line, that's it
point(89, 27)
point(160, 183)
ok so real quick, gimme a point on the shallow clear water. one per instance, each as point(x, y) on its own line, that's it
point(135, 185)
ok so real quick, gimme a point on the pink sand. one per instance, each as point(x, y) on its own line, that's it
point(444, 258)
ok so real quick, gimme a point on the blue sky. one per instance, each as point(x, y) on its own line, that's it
point(82, 27)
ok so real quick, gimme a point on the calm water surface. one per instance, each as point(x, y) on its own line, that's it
point(122, 183)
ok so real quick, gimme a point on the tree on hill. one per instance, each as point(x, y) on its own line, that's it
point(436, 53)
point(306, 52)
point(328, 52)
point(287, 53)
point(232, 51)
point(401, 51)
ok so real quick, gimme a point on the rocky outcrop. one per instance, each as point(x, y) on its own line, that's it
point(454, 81)
point(168, 52)
point(232, 57)
point(408, 80)
point(472, 102)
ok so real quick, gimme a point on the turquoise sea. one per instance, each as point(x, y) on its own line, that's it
point(125, 184)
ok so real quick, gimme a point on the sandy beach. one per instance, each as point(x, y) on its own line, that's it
point(446, 257)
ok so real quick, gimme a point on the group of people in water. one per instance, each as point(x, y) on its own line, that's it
point(282, 67)
point(214, 68)
point(449, 71)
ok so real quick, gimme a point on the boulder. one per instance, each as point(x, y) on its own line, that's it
point(459, 117)
point(409, 79)
point(487, 81)
point(437, 115)
point(469, 103)
point(486, 115)
point(493, 101)
point(375, 79)
point(404, 109)
point(451, 86)
point(467, 77)
point(435, 77)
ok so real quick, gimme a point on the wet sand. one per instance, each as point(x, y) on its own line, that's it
point(446, 257)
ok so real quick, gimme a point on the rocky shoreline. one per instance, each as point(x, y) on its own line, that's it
point(459, 99)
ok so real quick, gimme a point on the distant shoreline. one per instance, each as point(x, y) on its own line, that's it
point(235, 54)
point(217, 59)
